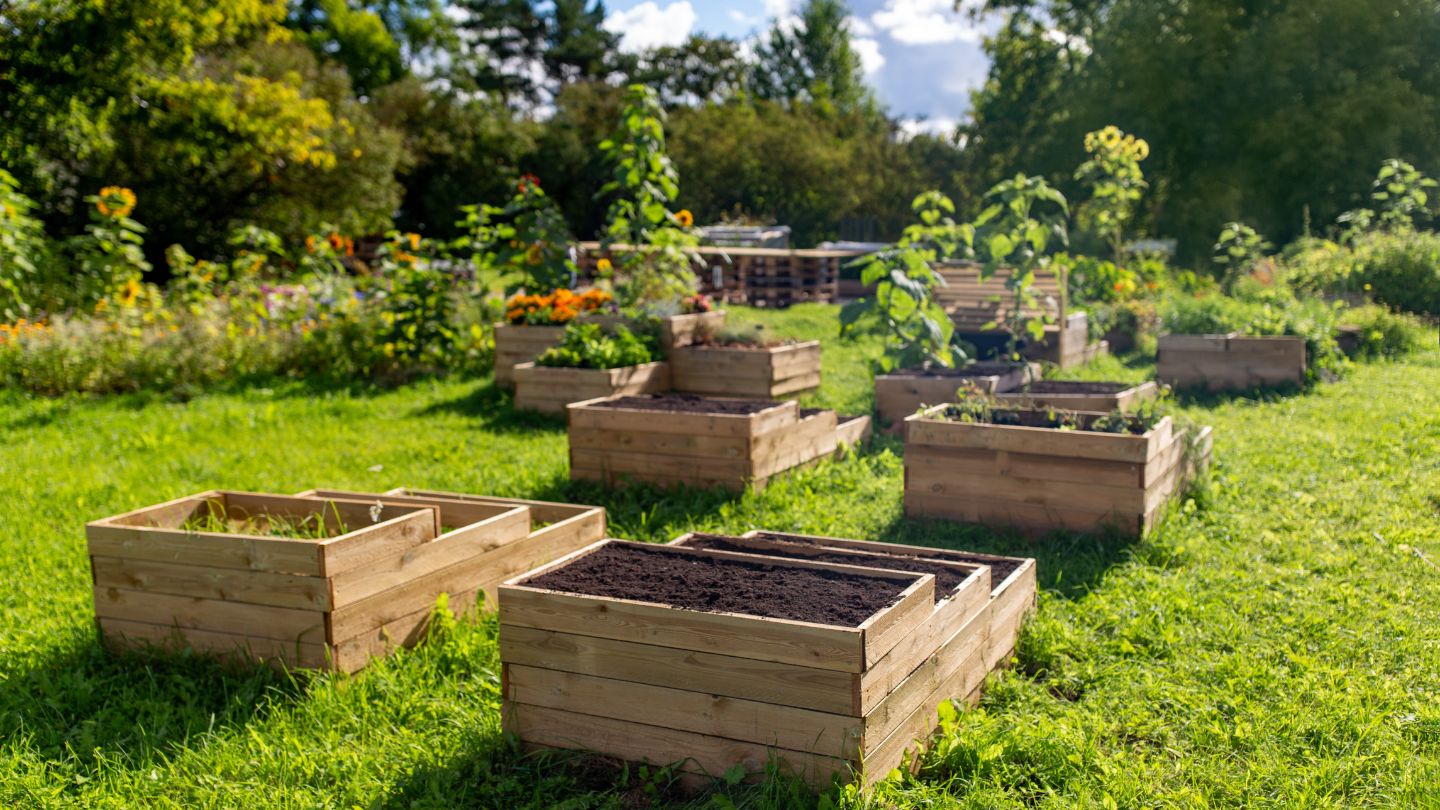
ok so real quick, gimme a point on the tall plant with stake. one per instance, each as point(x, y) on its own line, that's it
point(525, 241)
point(656, 266)
point(1023, 218)
point(917, 330)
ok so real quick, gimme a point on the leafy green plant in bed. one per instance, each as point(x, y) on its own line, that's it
point(590, 345)
point(917, 331)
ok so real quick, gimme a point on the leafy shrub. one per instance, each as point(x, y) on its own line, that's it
point(1257, 310)
point(589, 345)
point(1383, 333)
point(1401, 269)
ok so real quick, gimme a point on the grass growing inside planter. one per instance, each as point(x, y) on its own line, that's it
point(1272, 644)
point(318, 526)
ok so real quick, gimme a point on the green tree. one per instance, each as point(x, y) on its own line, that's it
point(813, 60)
point(699, 71)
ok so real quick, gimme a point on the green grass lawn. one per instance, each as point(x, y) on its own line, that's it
point(1275, 643)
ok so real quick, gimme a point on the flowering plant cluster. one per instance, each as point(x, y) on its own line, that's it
point(693, 304)
point(559, 307)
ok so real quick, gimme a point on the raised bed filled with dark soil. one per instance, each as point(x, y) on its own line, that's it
point(1078, 395)
point(902, 393)
point(745, 370)
point(665, 653)
point(699, 441)
point(1045, 470)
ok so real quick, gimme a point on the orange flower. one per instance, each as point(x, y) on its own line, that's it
point(527, 181)
point(349, 246)
point(115, 201)
point(336, 241)
point(685, 218)
point(310, 244)
point(414, 240)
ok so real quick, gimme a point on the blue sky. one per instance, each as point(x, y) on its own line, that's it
point(922, 57)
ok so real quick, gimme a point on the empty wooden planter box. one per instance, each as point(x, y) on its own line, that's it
point(683, 330)
point(549, 389)
point(631, 675)
point(1230, 362)
point(1077, 395)
point(699, 441)
point(901, 393)
point(556, 530)
point(214, 573)
point(746, 371)
point(1041, 479)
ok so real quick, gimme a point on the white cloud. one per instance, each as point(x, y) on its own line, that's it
point(744, 19)
point(779, 8)
point(924, 22)
point(940, 125)
point(648, 25)
point(859, 27)
point(868, 50)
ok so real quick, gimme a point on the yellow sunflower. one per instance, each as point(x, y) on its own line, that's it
point(115, 201)
point(685, 218)
point(604, 266)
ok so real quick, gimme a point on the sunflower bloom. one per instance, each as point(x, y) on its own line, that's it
point(129, 293)
point(685, 218)
point(115, 201)
point(604, 266)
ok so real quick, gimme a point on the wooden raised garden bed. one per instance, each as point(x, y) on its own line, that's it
point(516, 344)
point(901, 393)
point(549, 389)
point(1041, 479)
point(670, 653)
point(682, 439)
point(302, 581)
point(1230, 362)
point(1076, 395)
point(746, 371)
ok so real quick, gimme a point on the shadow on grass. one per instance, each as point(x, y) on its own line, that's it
point(97, 707)
point(1197, 397)
point(642, 511)
point(493, 408)
point(1069, 564)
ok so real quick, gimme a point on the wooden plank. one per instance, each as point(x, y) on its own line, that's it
point(585, 415)
point(228, 584)
point(963, 620)
point(963, 653)
point(853, 430)
point(637, 742)
point(1126, 400)
point(821, 690)
point(1194, 343)
point(922, 430)
point(544, 546)
point(664, 444)
point(647, 466)
point(356, 652)
point(260, 621)
point(942, 481)
point(803, 643)
point(813, 437)
point(122, 634)
point(1021, 516)
point(465, 543)
point(543, 511)
point(237, 551)
point(378, 542)
point(831, 735)
point(963, 461)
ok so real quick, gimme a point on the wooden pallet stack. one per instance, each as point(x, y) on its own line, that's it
point(761, 277)
point(647, 682)
point(184, 575)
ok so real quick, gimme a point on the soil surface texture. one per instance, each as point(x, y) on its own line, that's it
point(1000, 570)
point(689, 403)
point(947, 577)
point(972, 370)
point(667, 577)
point(1073, 387)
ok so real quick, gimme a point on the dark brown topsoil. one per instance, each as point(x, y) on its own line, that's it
point(1000, 570)
point(972, 370)
point(689, 403)
point(947, 578)
point(671, 577)
point(1074, 387)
